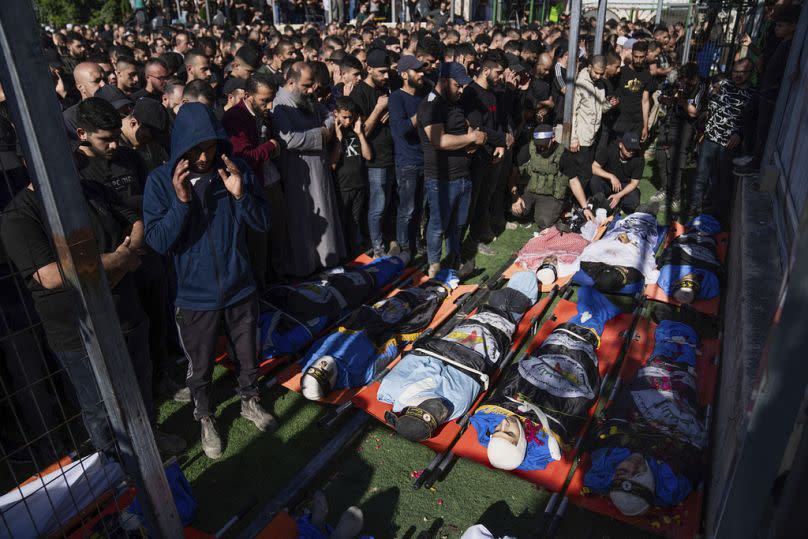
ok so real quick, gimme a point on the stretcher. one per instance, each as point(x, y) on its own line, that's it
point(291, 375)
point(561, 281)
point(679, 522)
point(447, 434)
point(706, 306)
point(268, 365)
point(609, 354)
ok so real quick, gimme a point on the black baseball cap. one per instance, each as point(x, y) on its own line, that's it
point(115, 97)
point(409, 62)
point(631, 140)
point(456, 72)
point(378, 58)
point(151, 113)
point(232, 84)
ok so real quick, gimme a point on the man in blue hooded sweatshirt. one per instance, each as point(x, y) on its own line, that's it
point(196, 207)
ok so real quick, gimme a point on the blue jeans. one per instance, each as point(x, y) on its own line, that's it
point(94, 413)
point(380, 180)
point(448, 210)
point(410, 181)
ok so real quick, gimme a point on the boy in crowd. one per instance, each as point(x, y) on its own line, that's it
point(349, 160)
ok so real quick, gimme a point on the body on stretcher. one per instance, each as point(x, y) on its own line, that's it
point(651, 445)
point(292, 316)
point(366, 351)
point(563, 398)
point(690, 265)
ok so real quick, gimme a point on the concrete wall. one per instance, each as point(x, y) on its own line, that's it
point(753, 280)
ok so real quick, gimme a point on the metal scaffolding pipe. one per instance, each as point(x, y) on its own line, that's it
point(692, 15)
point(572, 69)
point(38, 119)
point(599, 27)
point(658, 13)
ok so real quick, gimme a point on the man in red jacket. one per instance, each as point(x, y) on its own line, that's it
point(246, 123)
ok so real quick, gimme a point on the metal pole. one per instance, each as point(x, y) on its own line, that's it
point(451, 11)
point(530, 13)
point(658, 13)
point(407, 16)
point(572, 65)
point(600, 26)
point(276, 13)
point(692, 15)
point(207, 10)
point(36, 114)
point(179, 13)
point(392, 11)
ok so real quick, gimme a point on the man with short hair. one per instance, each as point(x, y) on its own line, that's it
point(199, 91)
point(76, 51)
point(409, 157)
point(182, 42)
point(446, 140)
point(197, 207)
point(305, 128)
point(371, 96)
point(634, 94)
point(126, 74)
point(727, 111)
point(197, 65)
point(479, 104)
point(616, 173)
point(118, 236)
point(89, 77)
point(284, 50)
point(245, 62)
point(172, 98)
point(589, 105)
point(156, 74)
point(241, 124)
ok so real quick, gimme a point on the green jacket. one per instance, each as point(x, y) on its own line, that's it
point(543, 174)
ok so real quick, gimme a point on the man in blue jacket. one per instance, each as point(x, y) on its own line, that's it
point(196, 207)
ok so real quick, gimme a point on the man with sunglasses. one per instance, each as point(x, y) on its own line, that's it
point(156, 76)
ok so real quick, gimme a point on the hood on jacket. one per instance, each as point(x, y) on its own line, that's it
point(195, 124)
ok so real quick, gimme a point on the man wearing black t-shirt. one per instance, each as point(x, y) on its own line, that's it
point(479, 104)
point(118, 233)
point(371, 97)
point(446, 139)
point(633, 92)
point(616, 173)
point(100, 158)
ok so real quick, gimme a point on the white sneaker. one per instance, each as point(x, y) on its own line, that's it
point(743, 160)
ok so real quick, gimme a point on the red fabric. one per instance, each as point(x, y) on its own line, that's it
point(241, 127)
point(566, 247)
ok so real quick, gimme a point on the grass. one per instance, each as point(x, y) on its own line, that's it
point(373, 473)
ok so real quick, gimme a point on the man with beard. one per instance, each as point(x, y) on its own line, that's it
point(118, 235)
point(156, 73)
point(403, 107)
point(616, 173)
point(197, 65)
point(240, 123)
point(89, 77)
point(479, 104)
point(76, 51)
point(371, 96)
point(633, 92)
point(197, 207)
point(304, 128)
point(446, 140)
point(542, 183)
point(126, 74)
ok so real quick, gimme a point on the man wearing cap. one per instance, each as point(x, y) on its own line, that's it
point(446, 140)
point(371, 96)
point(409, 157)
point(616, 173)
point(542, 183)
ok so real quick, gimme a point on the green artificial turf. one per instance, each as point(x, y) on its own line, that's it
point(375, 472)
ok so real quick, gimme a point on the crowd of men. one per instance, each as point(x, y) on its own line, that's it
point(219, 160)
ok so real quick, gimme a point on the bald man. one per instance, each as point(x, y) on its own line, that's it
point(89, 78)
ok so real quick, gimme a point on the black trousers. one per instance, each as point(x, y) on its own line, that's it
point(199, 331)
point(628, 203)
point(545, 209)
point(483, 184)
point(353, 212)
